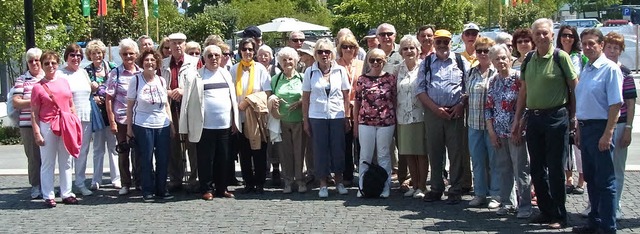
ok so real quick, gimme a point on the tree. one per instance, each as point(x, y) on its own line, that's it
point(522, 16)
point(582, 6)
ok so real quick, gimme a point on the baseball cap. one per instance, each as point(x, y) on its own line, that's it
point(371, 33)
point(252, 31)
point(178, 36)
point(442, 33)
point(307, 47)
point(471, 26)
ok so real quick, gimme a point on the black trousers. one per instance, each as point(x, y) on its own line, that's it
point(253, 163)
point(213, 157)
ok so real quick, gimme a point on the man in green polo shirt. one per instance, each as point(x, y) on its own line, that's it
point(547, 93)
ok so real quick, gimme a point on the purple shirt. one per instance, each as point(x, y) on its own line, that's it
point(117, 87)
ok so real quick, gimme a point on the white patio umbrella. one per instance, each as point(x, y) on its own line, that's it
point(287, 25)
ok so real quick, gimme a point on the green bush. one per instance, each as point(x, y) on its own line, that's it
point(10, 135)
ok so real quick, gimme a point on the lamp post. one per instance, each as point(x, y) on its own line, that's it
point(29, 26)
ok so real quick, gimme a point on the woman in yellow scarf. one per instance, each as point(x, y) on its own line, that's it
point(250, 77)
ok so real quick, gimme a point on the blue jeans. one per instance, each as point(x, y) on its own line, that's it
point(486, 177)
point(150, 141)
point(328, 146)
point(599, 174)
point(548, 142)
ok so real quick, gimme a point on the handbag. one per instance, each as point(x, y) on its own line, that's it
point(67, 126)
point(97, 122)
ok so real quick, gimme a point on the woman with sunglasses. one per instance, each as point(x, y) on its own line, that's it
point(348, 52)
point(374, 111)
point(149, 123)
point(569, 41)
point(523, 39)
point(117, 86)
point(485, 176)
point(227, 57)
point(164, 49)
point(98, 71)
point(21, 98)
point(410, 128)
point(81, 87)
point(250, 77)
point(50, 97)
point(325, 111)
point(209, 115)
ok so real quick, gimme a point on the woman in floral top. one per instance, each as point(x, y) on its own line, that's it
point(511, 153)
point(375, 112)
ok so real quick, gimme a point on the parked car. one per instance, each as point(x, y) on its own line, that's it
point(583, 23)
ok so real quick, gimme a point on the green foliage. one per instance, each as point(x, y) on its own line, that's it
point(117, 24)
point(9, 135)
point(256, 12)
point(522, 16)
point(581, 6)
point(405, 15)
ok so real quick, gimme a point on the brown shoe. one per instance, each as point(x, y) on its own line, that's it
point(207, 196)
point(70, 201)
point(228, 195)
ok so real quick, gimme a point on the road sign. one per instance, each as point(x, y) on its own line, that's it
point(626, 11)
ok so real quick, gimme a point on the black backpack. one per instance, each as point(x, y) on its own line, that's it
point(459, 64)
point(373, 181)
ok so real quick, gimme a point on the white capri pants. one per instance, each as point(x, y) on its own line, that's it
point(378, 138)
point(54, 147)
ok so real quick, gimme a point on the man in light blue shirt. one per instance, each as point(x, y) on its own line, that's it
point(598, 102)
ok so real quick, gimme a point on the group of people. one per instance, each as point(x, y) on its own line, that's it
point(502, 115)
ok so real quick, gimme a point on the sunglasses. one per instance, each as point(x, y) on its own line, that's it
point(298, 40)
point(567, 35)
point(482, 51)
point(471, 33)
point(375, 60)
point(210, 56)
point(442, 42)
point(247, 49)
point(408, 48)
point(194, 53)
point(344, 47)
point(50, 63)
point(33, 60)
point(226, 54)
point(383, 34)
point(74, 55)
point(524, 41)
point(323, 51)
point(166, 48)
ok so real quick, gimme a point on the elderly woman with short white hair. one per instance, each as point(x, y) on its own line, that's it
point(21, 103)
point(117, 87)
point(209, 114)
point(193, 48)
point(325, 100)
point(287, 87)
point(98, 71)
point(265, 57)
point(410, 116)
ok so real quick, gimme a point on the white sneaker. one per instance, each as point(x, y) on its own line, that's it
point(410, 192)
point(324, 192)
point(35, 192)
point(478, 201)
point(341, 189)
point(418, 194)
point(385, 193)
point(124, 191)
point(94, 186)
point(493, 204)
point(117, 185)
point(585, 212)
point(85, 191)
point(618, 215)
point(359, 194)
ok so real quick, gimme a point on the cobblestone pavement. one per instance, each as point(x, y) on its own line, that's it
point(273, 212)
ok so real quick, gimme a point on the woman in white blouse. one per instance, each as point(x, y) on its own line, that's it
point(81, 87)
point(325, 103)
point(410, 115)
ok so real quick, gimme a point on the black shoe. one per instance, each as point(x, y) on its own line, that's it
point(432, 196)
point(248, 189)
point(578, 190)
point(467, 191)
point(584, 229)
point(165, 196)
point(259, 190)
point(541, 219)
point(174, 187)
point(148, 198)
point(453, 199)
point(569, 189)
point(275, 178)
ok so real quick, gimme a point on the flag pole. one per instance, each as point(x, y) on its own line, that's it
point(146, 22)
point(157, 30)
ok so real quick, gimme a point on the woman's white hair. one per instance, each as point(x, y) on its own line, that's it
point(33, 53)
point(265, 48)
point(129, 43)
point(413, 40)
point(494, 50)
point(287, 52)
point(503, 37)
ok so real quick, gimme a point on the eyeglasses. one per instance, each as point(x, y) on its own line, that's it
point(408, 48)
point(50, 63)
point(523, 41)
point(344, 47)
point(34, 60)
point(323, 51)
point(166, 48)
point(195, 53)
point(226, 54)
point(482, 51)
point(471, 33)
point(509, 45)
point(74, 55)
point(442, 42)
point(298, 40)
point(247, 49)
point(127, 54)
point(383, 34)
point(375, 60)
point(210, 56)
point(567, 35)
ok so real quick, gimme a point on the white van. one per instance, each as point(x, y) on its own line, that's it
point(582, 23)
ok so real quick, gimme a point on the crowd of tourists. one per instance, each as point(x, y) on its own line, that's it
point(513, 116)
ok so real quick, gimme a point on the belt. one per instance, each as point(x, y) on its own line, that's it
point(545, 111)
point(586, 122)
